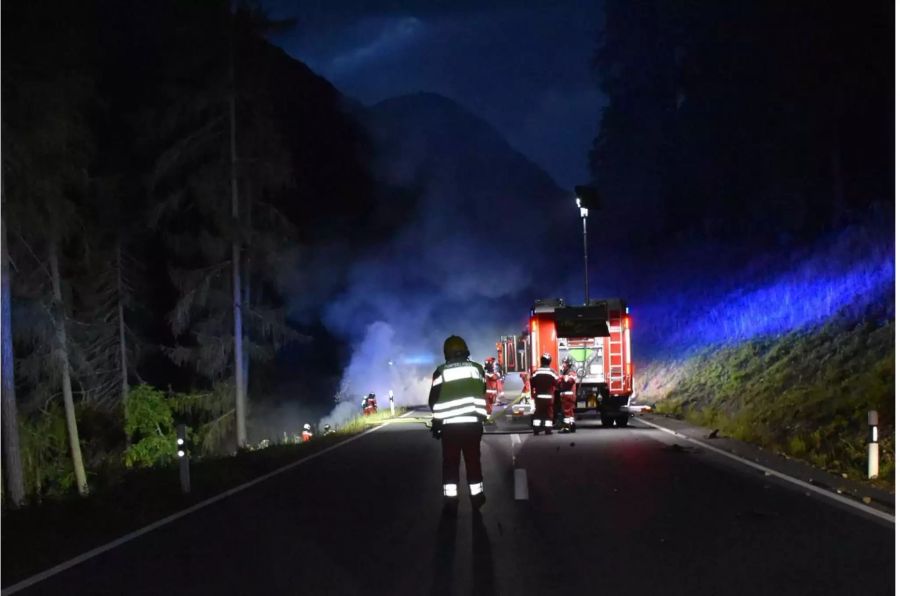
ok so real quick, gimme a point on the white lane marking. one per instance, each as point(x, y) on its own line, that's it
point(777, 474)
point(39, 577)
point(515, 442)
point(521, 483)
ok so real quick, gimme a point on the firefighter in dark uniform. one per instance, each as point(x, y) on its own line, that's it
point(567, 381)
point(458, 407)
point(492, 381)
point(543, 387)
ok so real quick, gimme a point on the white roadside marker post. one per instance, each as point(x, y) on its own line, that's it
point(391, 398)
point(873, 444)
point(184, 463)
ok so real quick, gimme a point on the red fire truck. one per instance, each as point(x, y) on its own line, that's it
point(597, 337)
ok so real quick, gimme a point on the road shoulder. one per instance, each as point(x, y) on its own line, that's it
point(865, 494)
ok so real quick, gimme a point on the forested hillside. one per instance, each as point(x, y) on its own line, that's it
point(164, 168)
point(753, 177)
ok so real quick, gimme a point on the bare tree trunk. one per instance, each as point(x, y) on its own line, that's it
point(62, 350)
point(12, 458)
point(248, 202)
point(240, 400)
point(246, 350)
point(123, 354)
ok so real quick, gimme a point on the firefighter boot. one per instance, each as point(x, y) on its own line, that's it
point(478, 501)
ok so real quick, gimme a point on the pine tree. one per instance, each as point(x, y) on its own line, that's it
point(47, 149)
point(212, 240)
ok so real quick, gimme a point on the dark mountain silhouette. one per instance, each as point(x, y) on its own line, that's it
point(459, 165)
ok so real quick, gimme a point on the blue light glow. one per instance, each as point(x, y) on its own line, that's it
point(418, 359)
point(846, 277)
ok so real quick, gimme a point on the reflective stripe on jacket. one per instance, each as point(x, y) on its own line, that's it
point(543, 382)
point(457, 393)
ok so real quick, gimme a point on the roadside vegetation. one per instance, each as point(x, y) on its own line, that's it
point(40, 535)
point(804, 393)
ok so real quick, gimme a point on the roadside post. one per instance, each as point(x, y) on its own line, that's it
point(391, 399)
point(873, 444)
point(184, 463)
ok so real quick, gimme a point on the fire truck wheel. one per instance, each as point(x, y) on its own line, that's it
point(622, 420)
point(605, 420)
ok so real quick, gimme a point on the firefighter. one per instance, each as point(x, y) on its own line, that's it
point(370, 404)
point(458, 414)
point(567, 380)
point(328, 430)
point(492, 382)
point(543, 387)
point(526, 384)
point(307, 434)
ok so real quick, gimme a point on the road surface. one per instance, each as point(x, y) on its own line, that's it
point(607, 511)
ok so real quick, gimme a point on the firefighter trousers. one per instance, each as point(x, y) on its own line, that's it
point(490, 398)
point(462, 439)
point(543, 413)
point(568, 407)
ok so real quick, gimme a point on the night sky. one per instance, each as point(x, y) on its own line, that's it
point(525, 67)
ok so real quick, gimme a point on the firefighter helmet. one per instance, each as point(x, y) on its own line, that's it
point(569, 361)
point(307, 426)
point(546, 359)
point(455, 347)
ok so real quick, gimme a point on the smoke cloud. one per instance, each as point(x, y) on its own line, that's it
point(470, 255)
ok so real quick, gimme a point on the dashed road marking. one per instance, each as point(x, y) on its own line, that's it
point(521, 484)
point(515, 444)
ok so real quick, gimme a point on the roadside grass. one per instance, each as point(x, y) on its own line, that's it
point(361, 423)
point(45, 534)
point(804, 394)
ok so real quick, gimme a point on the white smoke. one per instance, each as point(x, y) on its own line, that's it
point(381, 365)
point(465, 261)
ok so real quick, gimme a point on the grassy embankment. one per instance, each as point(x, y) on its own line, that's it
point(42, 535)
point(804, 394)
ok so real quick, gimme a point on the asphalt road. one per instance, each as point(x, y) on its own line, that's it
point(608, 511)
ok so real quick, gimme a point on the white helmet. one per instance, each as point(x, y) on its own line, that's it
point(306, 426)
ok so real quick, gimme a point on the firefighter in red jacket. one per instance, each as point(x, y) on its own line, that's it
point(307, 434)
point(567, 381)
point(369, 404)
point(458, 410)
point(492, 384)
point(543, 386)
